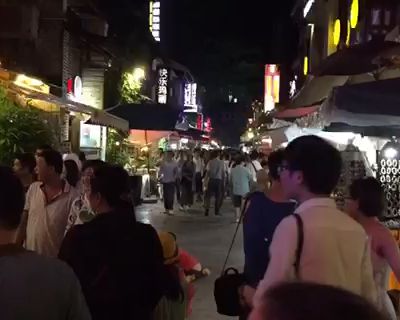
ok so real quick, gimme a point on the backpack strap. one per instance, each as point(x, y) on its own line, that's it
point(300, 243)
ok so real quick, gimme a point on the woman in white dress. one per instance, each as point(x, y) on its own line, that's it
point(366, 204)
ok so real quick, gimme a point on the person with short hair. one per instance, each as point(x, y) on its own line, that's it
point(215, 174)
point(168, 175)
point(366, 204)
point(336, 249)
point(24, 167)
point(310, 301)
point(254, 164)
point(32, 286)
point(48, 203)
point(240, 180)
point(118, 260)
point(71, 174)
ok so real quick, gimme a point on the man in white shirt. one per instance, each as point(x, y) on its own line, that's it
point(336, 249)
point(168, 174)
point(199, 165)
point(254, 166)
point(47, 207)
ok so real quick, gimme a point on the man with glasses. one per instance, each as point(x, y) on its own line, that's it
point(335, 249)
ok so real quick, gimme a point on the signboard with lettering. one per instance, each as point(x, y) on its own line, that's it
point(162, 85)
point(191, 96)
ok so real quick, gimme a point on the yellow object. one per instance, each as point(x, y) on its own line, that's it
point(305, 67)
point(393, 283)
point(170, 247)
point(31, 83)
point(348, 33)
point(336, 32)
point(354, 13)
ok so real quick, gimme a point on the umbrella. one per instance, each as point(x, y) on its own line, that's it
point(361, 58)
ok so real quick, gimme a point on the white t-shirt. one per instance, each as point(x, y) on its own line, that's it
point(47, 220)
point(254, 166)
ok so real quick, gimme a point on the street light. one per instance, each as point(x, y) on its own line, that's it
point(139, 74)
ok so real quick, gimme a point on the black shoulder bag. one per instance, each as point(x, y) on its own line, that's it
point(226, 287)
point(300, 242)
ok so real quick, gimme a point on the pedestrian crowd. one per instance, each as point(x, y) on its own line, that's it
point(71, 248)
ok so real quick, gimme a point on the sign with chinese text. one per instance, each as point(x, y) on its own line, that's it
point(190, 97)
point(155, 19)
point(162, 86)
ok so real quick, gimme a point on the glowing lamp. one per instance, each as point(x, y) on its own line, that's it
point(354, 13)
point(336, 32)
point(390, 153)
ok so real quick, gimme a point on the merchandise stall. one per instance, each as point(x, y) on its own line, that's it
point(370, 112)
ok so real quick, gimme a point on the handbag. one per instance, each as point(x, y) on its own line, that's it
point(226, 287)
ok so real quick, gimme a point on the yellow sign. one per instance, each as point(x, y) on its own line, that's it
point(336, 32)
point(354, 13)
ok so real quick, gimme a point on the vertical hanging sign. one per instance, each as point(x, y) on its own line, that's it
point(162, 86)
point(155, 19)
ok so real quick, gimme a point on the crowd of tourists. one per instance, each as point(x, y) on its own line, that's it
point(71, 248)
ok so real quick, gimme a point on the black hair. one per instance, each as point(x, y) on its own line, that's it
point(12, 199)
point(92, 164)
point(238, 160)
point(311, 301)
point(370, 196)
point(112, 182)
point(27, 160)
point(318, 160)
point(53, 159)
point(44, 147)
point(275, 160)
point(72, 172)
point(214, 154)
point(254, 155)
point(82, 156)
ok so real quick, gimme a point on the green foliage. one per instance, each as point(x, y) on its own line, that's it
point(117, 152)
point(130, 88)
point(22, 129)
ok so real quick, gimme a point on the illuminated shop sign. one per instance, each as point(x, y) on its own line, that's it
point(272, 86)
point(155, 19)
point(75, 89)
point(162, 88)
point(190, 98)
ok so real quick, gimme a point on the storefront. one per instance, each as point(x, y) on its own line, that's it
point(81, 127)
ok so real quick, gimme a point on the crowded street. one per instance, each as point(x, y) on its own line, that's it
point(199, 160)
point(208, 239)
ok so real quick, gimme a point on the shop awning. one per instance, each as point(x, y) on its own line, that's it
point(148, 116)
point(295, 113)
point(97, 116)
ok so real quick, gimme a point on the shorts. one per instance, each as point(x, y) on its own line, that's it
point(237, 201)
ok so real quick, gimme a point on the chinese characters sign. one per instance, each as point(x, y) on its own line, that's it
point(162, 88)
point(155, 19)
point(191, 96)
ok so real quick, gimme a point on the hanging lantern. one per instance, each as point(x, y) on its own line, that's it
point(354, 13)
point(337, 32)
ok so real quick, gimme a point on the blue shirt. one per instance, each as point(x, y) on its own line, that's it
point(240, 177)
point(259, 224)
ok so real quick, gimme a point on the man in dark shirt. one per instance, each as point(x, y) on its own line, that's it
point(264, 213)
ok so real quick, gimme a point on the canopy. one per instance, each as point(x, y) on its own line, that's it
point(148, 116)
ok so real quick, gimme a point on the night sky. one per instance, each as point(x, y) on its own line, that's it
point(225, 43)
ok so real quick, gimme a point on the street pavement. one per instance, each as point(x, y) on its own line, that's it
point(207, 238)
